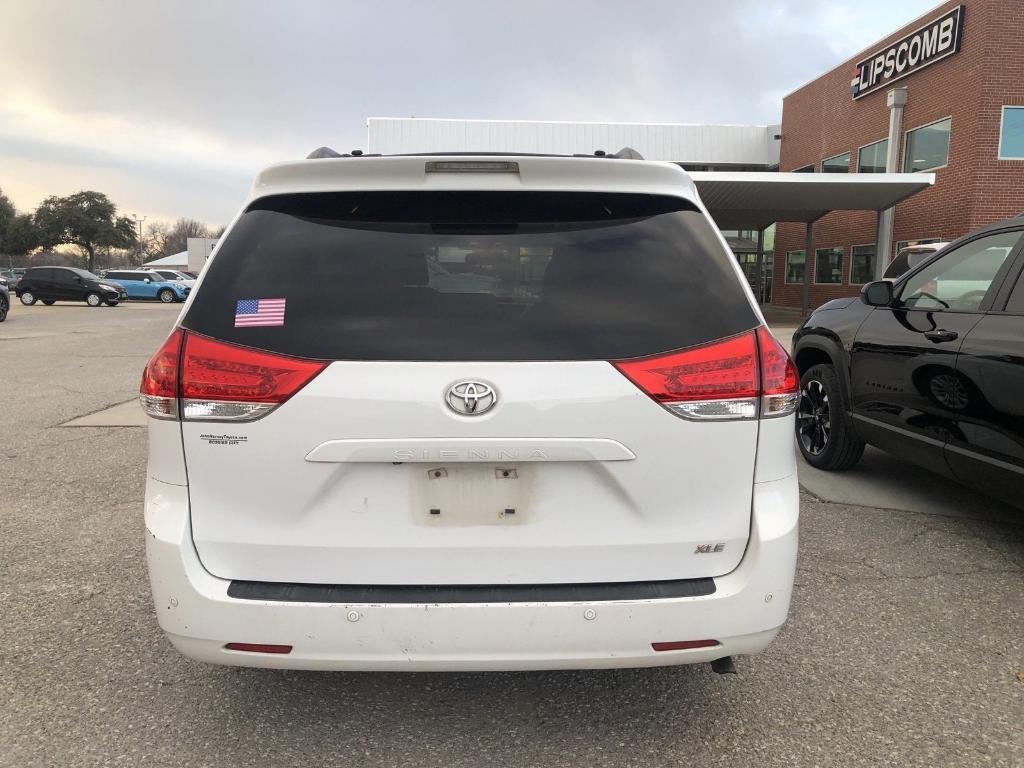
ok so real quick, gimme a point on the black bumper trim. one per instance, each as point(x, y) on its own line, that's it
point(473, 593)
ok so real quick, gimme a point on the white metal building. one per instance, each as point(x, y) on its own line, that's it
point(697, 147)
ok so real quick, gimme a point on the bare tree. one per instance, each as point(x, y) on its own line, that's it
point(181, 231)
point(155, 242)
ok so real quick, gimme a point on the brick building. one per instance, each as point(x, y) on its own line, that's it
point(963, 121)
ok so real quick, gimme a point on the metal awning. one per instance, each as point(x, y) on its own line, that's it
point(756, 200)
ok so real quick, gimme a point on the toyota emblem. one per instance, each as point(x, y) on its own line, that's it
point(471, 398)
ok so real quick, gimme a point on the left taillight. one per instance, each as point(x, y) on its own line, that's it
point(200, 379)
point(159, 390)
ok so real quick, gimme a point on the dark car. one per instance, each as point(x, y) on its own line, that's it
point(929, 367)
point(5, 303)
point(50, 284)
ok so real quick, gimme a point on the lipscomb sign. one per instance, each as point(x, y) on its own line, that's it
point(928, 44)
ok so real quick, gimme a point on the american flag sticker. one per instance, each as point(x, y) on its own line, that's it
point(259, 312)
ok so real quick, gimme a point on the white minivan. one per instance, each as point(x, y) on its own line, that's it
point(471, 413)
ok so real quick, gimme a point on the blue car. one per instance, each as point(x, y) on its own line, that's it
point(148, 285)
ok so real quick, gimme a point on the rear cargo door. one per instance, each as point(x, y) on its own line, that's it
point(467, 425)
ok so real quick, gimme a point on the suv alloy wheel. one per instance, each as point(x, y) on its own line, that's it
point(822, 429)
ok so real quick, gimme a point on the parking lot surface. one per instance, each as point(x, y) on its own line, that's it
point(905, 644)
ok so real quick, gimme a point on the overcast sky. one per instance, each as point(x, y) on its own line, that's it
point(171, 106)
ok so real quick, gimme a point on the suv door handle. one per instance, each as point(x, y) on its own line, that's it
point(941, 335)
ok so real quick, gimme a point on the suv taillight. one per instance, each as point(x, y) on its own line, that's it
point(735, 378)
point(780, 380)
point(159, 390)
point(200, 379)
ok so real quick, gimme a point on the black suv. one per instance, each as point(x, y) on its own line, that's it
point(50, 284)
point(930, 367)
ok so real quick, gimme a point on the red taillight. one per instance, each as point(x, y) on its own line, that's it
point(159, 390)
point(712, 381)
point(683, 645)
point(216, 381)
point(778, 373)
point(258, 648)
point(728, 379)
point(213, 370)
point(780, 380)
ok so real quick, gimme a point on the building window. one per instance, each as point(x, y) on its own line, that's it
point(927, 147)
point(862, 264)
point(828, 265)
point(795, 266)
point(871, 159)
point(804, 169)
point(1011, 134)
point(837, 164)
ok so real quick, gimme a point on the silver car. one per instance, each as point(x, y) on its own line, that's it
point(910, 257)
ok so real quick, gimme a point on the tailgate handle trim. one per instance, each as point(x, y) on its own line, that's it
point(435, 450)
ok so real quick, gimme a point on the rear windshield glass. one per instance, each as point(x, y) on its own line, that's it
point(470, 276)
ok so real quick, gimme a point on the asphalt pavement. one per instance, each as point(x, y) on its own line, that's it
point(905, 644)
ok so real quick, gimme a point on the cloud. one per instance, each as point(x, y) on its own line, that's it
point(175, 106)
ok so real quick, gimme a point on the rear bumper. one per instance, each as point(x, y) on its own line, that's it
point(744, 614)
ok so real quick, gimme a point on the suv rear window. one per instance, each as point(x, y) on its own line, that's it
point(472, 276)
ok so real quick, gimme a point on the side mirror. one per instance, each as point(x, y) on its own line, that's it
point(877, 294)
point(147, 280)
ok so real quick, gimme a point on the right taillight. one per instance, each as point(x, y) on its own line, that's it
point(201, 379)
point(780, 380)
point(740, 377)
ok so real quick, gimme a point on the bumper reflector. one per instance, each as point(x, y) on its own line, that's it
point(258, 648)
point(682, 645)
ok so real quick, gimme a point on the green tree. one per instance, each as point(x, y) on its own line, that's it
point(85, 219)
point(7, 213)
point(21, 236)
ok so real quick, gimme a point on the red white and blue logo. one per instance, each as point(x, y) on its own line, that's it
point(855, 83)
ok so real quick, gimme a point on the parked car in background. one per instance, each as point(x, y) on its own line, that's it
point(172, 274)
point(589, 463)
point(11, 277)
point(142, 284)
point(52, 284)
point(910, 257)
point(929, 366)
point(5, 302)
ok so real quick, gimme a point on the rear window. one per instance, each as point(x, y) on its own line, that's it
point(470, 276)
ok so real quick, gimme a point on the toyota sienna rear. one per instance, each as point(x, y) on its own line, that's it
point(453, 413)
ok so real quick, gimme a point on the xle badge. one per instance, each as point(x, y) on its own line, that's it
point(706, 549)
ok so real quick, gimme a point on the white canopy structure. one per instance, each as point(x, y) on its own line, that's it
point(752, 200)
point(174, 261)
point(755, 200)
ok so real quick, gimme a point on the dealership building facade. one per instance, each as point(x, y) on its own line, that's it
point(943, 95)
point(960, 71)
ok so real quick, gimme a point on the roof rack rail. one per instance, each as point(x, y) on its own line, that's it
point(323, 152)
point(626, 153)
